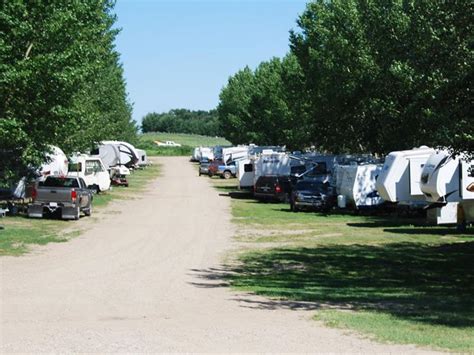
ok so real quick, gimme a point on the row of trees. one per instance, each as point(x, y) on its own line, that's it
point(61, 82)
point(362, 77)
point(182, 121)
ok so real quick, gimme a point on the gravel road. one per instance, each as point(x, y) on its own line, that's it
point(134, 283)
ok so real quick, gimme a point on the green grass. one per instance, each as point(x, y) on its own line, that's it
point(21, 233)
point(396, 280)
point(188, 141)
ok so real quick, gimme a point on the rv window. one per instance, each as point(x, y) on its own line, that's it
point(75, 167)
point(93, 166)
point(248, 168)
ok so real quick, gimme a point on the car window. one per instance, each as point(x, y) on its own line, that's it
point(60, 182)
point(93, 166)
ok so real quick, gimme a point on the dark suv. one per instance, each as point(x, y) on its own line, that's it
point(311, 195)
point(272, 188)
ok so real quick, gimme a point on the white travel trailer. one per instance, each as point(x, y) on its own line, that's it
point(356, 183)
point(399, 180)
point(92, 170)
point(114, 161)
point(196, 154)
point(143, 158)
point(206, 153)
point(444, 182)
point(56, 163)
point(128, 154)
point(245, 173)
point(236, 153)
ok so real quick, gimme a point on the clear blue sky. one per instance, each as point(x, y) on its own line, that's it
point(180, 53)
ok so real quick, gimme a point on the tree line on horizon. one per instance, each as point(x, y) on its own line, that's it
point(362, 76)
point(61, 81)
point(182, 121)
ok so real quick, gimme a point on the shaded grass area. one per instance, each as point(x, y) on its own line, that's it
point(21, 233)
point(395, 279)
point(188, 141)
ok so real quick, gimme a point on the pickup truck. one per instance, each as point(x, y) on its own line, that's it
point(226, 171)
point(65, 194)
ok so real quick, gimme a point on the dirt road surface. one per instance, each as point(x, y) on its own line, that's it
point(133, 283)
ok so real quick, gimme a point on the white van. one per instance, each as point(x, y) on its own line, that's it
point(92, 170)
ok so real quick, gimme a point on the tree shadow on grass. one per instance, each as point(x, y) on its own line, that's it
point(418, 282)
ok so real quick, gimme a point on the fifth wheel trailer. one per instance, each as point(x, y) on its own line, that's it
point(399, 180)
point(444, 181)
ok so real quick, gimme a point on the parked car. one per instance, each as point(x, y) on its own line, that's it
point(311, 195)
point(67, 195)
point(227, 171)
point(272, 188)
point(204, 166)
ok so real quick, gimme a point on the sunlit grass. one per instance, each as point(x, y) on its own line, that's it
point(394, 279)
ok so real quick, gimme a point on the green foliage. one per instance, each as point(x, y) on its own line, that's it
point(182, 121)
point(266, 105)
point(362, 77)
point(60, 80)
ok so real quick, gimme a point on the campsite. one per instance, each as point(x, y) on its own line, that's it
point(216, 177)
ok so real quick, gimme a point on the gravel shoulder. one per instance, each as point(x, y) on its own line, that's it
point(141, 281)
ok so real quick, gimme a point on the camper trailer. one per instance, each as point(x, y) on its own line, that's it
point(444, 182)
point(355, 185)
point(92, 170)
point(56, 163)
point(236, 153)
point(399, 180)
point(128, 154)
point(114, 160)
point(143, 158)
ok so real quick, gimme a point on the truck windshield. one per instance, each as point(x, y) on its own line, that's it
point(59, 182)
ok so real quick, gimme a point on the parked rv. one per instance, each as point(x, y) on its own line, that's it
point(92, 170)
point(399, 180)
point(355, 185)
point(444, 182)
point(68, 195)
point(142, 158)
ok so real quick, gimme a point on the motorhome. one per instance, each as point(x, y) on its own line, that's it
point(444, 182)
point(92, 170)
point(356, 185)
point(399, 180)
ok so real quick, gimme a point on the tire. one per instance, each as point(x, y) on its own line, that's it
point(227, 175)
point(88, 212)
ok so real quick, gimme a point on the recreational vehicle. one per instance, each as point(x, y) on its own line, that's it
point(399, 180)
point(56, 163)
point(143, 158)
point(91, 170)
point(356, 185)
point(444, 182)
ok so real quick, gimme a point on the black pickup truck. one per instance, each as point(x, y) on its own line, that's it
point(69, 195)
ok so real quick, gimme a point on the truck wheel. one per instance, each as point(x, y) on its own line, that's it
point(227, 175)
point(88, 212)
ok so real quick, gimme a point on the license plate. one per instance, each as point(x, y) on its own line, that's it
point(53, 204)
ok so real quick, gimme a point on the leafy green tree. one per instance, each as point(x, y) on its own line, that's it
point(182, 121)
point(60, 82)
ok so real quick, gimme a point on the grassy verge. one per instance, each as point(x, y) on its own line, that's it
point(21, 233)
point(393, 279)
point(188, 142)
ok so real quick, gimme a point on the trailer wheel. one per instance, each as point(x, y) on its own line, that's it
point(227, 175)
